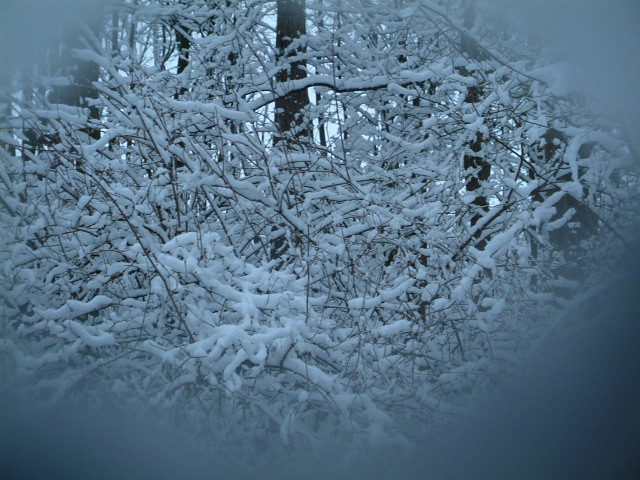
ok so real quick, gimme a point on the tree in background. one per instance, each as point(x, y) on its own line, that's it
point(292, 227)
point(290, 28)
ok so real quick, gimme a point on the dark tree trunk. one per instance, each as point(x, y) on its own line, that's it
point(183, 57)
point(292, 126)
point(475, 165)
point(81, 75)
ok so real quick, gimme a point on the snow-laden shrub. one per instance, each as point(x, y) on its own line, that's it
point(357, 282)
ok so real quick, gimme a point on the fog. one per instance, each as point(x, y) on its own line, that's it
point(573, 414)
point(599, 39)
point(27, 27)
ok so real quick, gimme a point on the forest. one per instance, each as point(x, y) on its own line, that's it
point(284, 222)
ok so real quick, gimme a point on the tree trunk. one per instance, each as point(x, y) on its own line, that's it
point(81, 75)
point(581, 224)
point(183, 57)
point(292, 126)
point(475, 165)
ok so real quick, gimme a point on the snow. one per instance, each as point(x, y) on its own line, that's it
point(75, 308)
point(396, 328)
point(560, 78)
point(91, 336)
point(143, 261)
